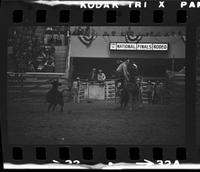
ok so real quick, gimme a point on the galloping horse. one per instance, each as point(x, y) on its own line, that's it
point(55, 97)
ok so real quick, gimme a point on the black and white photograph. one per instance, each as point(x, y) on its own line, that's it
point(198, 88)
point(93, 85)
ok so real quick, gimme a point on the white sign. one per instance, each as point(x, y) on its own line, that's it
point(143, 46)
point(127, 46)
point(160, 47)
point(139, 46)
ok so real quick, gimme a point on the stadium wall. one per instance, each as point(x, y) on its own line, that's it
point(100, 48)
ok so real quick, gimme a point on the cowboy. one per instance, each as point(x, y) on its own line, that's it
point(93, 75)
point(122, 71)
point(75, 89)
point(101, 76)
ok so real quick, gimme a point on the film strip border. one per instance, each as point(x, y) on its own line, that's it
point(88, 16)
point(21, 13)
point(96, 154)
point(30, 14)
point(112, 16)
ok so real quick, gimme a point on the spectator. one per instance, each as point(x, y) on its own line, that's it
point(182, 71)
point(149, 91)
point(80, 31)
point(159, 93)
point(22, 66)
point(101, 77)
point(75, 89)
point(58, 40)
point(105, 34)
point(113, 33)
point(49, 65)
point(46, 39)
point(30, 66)
point(155, 94)
point(52, 50)
point(28, 50)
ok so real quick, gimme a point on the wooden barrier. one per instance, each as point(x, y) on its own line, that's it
point(110, 90)
point(95, 90)
point(82, 94)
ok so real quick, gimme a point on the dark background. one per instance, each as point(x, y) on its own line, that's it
point(147, 67)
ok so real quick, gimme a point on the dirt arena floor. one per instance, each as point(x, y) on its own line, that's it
point(97, 122)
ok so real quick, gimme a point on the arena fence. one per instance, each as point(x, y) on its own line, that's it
point(33, 84)
point(110, 91)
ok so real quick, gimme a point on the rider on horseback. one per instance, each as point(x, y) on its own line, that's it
point(122, 71)
point(126, 71)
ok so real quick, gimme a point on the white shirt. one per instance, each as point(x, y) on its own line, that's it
point(101, 77)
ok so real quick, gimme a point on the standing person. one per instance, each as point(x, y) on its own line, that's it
point(149, 90)
point(30, 66)
point(49, 65)
point(22, 65)
point(155, 92)
point(75, 90)
point(93, 75)
point(101, 77)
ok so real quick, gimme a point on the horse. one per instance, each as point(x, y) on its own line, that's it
point(55, 97)
point(132, 90)
point(129, 91)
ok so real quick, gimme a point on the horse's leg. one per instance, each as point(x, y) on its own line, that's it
point(136, 98)
point(162, 99)
point(121, 101)
point(61, 107)
point(49, 108)
point(126, 100)
point(130, 94)
point(54, 107)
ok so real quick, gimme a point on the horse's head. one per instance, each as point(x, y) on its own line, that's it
point(133, 73)
point(132, 69)
point(55, 84)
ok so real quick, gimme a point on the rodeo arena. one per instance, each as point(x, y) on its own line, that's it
point(96, 85)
